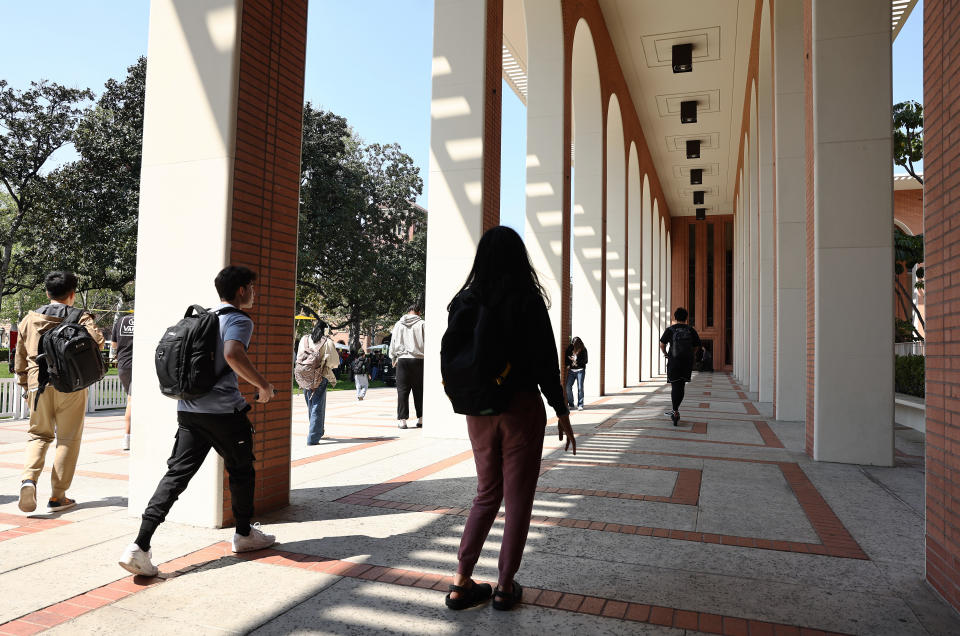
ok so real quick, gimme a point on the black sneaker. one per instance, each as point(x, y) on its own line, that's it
point(675, 416)
point(56, 504)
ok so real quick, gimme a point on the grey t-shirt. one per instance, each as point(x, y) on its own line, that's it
point(225, 396)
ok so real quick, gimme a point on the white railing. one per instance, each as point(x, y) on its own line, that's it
point(105, 394)
point(909, 348)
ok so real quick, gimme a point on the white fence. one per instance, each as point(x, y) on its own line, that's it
point(105, 394)
point(909, 348)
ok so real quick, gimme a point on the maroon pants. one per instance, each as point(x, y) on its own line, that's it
point(507, 449)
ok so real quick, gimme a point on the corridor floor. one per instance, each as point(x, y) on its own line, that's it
point(721, 525)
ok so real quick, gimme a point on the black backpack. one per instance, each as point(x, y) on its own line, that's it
point(681, 346)
point(186, 356)
point(68, 357)
point(474, 360)
point(360, 366)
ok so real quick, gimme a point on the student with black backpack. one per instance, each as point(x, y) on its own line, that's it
point(216, 418)
point(684, 341)
point(58, 356)
point(361, 374)
point(497, 350)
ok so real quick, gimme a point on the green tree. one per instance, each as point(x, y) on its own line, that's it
point(908, 254)
point(34, 123)
point(96, 196)
point(908, 136)
point(356, 260)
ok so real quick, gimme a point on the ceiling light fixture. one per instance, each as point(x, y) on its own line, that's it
point(682, 58)
point(696, 176)
point(698, 197)
point(701, 214)
point(693, 148)
point(688, 112)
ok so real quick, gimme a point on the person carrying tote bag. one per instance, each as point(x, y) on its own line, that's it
point(316, 359)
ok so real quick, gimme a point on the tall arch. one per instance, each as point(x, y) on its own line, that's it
point(633, 347)
point(755, 240)
point(545, 154)
point(655, 294)
point(646, 323)
point(664, 284)
point(586, 257)
point(615, 243)
point(766, 244)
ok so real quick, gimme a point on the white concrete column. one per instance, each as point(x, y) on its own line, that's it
point(586, 258)
point(853, 241)
point(647, 350)
point(753, 183)
point(454, 200)
point(544, 221)
point(664, 322)
point(657, 327)
point(739, 314)
point(791, 213)
point(766, 208)
point(186, 182)
point(616, 250)
point(634, 346)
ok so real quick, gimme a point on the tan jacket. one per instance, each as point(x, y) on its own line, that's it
point(31, 328)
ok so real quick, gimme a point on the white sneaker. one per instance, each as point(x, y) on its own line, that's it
point(256, 540)
point(579, 408)
point(138, 562)
point(28, 496)
point(126, 441)
point(419, 422)
point(401, 423)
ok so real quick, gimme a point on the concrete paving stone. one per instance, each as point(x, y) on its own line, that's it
point(229, 594)
point(717, 430)
point(622, 511)
point(751, 500)
point(908, 579)
point(114, 620)
point(859, 503)
point(35, 548)
point(633, 481)
point(639, 458)
point(817, 607)
point(353, 607)
point(907, 484)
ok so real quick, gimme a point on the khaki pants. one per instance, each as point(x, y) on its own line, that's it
point(57, 415)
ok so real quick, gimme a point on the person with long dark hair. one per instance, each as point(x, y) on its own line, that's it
point(507, 445)
point(316, 359)
point(575, 360)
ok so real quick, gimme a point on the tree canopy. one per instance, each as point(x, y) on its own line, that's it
point(908, 136)
point(361, 253)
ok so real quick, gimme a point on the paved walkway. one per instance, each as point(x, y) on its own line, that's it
point(721, 525)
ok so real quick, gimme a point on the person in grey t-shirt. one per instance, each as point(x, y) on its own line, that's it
point(217, 420)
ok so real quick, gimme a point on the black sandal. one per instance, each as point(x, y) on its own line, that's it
point(675, 417)
point(504, 601)
point(469, 596)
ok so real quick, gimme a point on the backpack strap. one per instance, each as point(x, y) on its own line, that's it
point(74, 314)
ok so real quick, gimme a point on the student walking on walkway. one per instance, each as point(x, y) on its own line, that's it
point(503, 291)
point(575, 360)
point(121, 348)
point(684, 341)
point(53, 415)
point(406, 352)
point(317, 357)
point(215, 420)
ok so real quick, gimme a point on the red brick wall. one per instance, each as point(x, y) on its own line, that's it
point(908, 209)
point(811, 269)
point(492, 109)
point(264, 222)
point(941, 215)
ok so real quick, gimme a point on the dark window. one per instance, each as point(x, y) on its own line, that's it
point(710, 268)
point(692, 273)
point(728, 249)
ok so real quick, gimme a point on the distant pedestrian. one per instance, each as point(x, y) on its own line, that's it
point(361, 374)
point(53, 415)
point(317, 358)
point(684, 341)
point(575, 360)
point(406, 353)
point(498, 349)
point(216, 420)
point(121, 348)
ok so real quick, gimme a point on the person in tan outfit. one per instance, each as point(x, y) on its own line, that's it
point(54, 415)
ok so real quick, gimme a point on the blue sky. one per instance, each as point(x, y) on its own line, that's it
point(378, 77)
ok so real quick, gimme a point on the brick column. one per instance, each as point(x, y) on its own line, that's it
point(941, 217)
point(219, 185)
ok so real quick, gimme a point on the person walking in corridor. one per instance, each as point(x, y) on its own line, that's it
point(121, 348)
point(216, 420)
point(499, 320)
point(575, 360)
point(53, 415)
point(684, 341)
point(406, 353)
point(361, 374)
point(317, 357)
